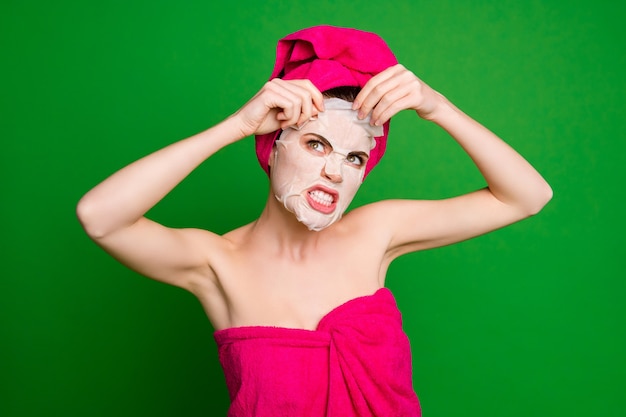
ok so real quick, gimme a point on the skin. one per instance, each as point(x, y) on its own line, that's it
point(275, 271)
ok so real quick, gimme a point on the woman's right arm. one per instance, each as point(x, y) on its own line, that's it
point(112, 213)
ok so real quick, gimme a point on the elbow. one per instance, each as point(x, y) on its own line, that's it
point(542, 196)
point(88, 218)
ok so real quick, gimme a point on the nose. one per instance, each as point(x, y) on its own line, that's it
point(332, 168)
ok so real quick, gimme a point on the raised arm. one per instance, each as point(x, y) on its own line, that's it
point(112, 213)
point(515, 190)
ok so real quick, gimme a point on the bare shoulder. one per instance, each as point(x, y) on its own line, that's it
point(374, 216)
point(370, 223)
point(237, 235)
point(414, 225)
point(404, 225)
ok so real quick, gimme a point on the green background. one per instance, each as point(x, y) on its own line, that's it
point(528, 320)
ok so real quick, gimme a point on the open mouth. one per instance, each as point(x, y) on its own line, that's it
point(322, 199)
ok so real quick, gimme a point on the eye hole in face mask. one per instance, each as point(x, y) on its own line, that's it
point(356, 160)
point(316, 146)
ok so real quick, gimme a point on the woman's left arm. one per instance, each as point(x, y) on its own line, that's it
point(515, 190)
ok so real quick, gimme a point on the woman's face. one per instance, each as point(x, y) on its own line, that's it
point(317, 170)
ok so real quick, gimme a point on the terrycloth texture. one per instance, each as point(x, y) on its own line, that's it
point(330, 57)
point(356, 363)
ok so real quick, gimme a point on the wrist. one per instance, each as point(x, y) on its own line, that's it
point(442, 111)
point(235, 128)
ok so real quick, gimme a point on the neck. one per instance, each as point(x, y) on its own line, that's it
point(279, 230)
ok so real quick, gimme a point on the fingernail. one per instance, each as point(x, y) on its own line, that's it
point(355, 105)
point(361, 115)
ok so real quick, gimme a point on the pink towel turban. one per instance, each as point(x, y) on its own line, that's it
point(329, 57)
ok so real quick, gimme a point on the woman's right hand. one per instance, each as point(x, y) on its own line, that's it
point(279, 104)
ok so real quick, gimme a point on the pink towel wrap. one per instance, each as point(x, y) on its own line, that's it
point(330, 57)
point(356, 363)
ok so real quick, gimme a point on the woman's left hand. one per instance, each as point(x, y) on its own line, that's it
point(393, 90)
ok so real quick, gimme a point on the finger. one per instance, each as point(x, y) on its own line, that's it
point(387, 102)
point(318, 98)
point(407, 88)
point(384, 91)
point(290, 99)
point(316, 95)
point(290, 112)
point(372, 83)
point(391, 110)
point(296, 101)
point(288, 106)
point(306, 107)
point(311, 99)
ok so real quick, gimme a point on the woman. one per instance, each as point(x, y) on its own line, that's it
point(303, 322)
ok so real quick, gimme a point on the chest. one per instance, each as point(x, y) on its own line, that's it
point(297, 292)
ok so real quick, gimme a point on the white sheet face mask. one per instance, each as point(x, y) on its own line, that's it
point(317, 170)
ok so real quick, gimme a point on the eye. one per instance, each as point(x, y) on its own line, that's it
point(354, 160)
point(316, 145)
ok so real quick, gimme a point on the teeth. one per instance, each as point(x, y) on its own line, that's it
point(321, 197)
